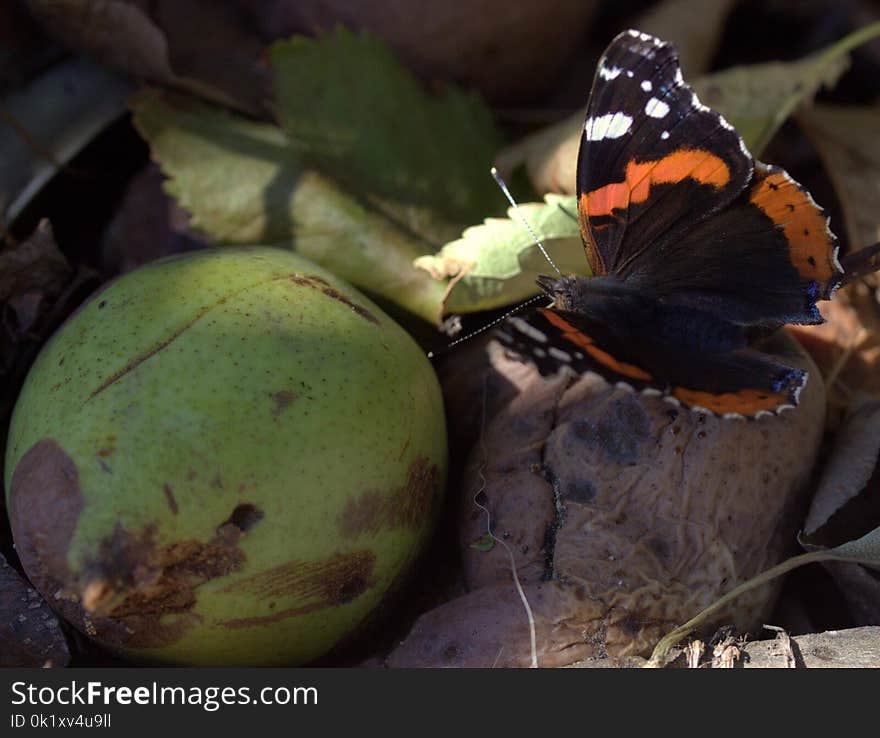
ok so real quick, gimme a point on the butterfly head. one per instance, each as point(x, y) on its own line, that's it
point(578, 294)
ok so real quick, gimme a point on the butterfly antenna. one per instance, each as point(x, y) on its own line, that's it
point(516, 209)
point(495, 322)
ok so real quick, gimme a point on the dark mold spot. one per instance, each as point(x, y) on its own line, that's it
point(582, 491)
point(631, 625)
point(281, 400)
point(659, 547)
point(319, 584)
point(106, 452)
point(169, 497)
point(102, 304)
point(245, 516)
point(619, 433)
point(406, 506)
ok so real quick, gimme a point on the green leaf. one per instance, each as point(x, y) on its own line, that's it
point(759, 98)
point(496, 263)
point(353, 111)
point(243, 184)
point(484, 543)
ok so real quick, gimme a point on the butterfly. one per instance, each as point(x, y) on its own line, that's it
point(694, 245)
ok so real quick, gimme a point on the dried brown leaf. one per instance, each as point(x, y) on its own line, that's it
point(199, 46)
point(851, 466)
point(847, 140)
point(30, 634)
point(694, 25)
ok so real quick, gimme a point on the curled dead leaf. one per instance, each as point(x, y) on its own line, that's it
point(199, 46)
point(38, 289)
point(851, 468)
point(846, 139)
point(847, 505)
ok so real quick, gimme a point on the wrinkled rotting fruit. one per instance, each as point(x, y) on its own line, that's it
point(225, 457)
point(625, 515)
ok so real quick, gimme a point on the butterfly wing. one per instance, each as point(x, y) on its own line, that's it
point(653, 160)
point(764, 260)
point(737, 383)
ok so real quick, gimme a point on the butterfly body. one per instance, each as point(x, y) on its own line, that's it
point(695, 247)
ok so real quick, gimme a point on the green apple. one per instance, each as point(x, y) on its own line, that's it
point(225, 458)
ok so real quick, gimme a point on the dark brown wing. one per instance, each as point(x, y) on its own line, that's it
point(653, 160)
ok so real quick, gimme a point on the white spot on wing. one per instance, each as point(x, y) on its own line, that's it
point(664, 135)
point(609, 72)
point(611, 125)
point(656, 108)
point(528, 330)
point(647, 86)
point(559, 355)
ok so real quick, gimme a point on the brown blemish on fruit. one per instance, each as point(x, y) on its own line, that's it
point(136, 591)
point(169, 497)
point(320, 584)
point(406, 506)
point(106, 452)
point(260, 620)
point(45, 503)
point(320, 280)
point(175, 334)
point(281, 400)
point(362, 311)
point(140, 594)
point(317, 283)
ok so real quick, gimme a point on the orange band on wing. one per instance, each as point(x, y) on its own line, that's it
point(811, 250)
point(701, 166)
point(744, 402)
point(583, 341)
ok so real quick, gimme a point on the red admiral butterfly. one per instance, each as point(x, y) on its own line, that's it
point(695, 247)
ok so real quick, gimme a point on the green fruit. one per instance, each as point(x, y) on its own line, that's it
point(225, 458)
